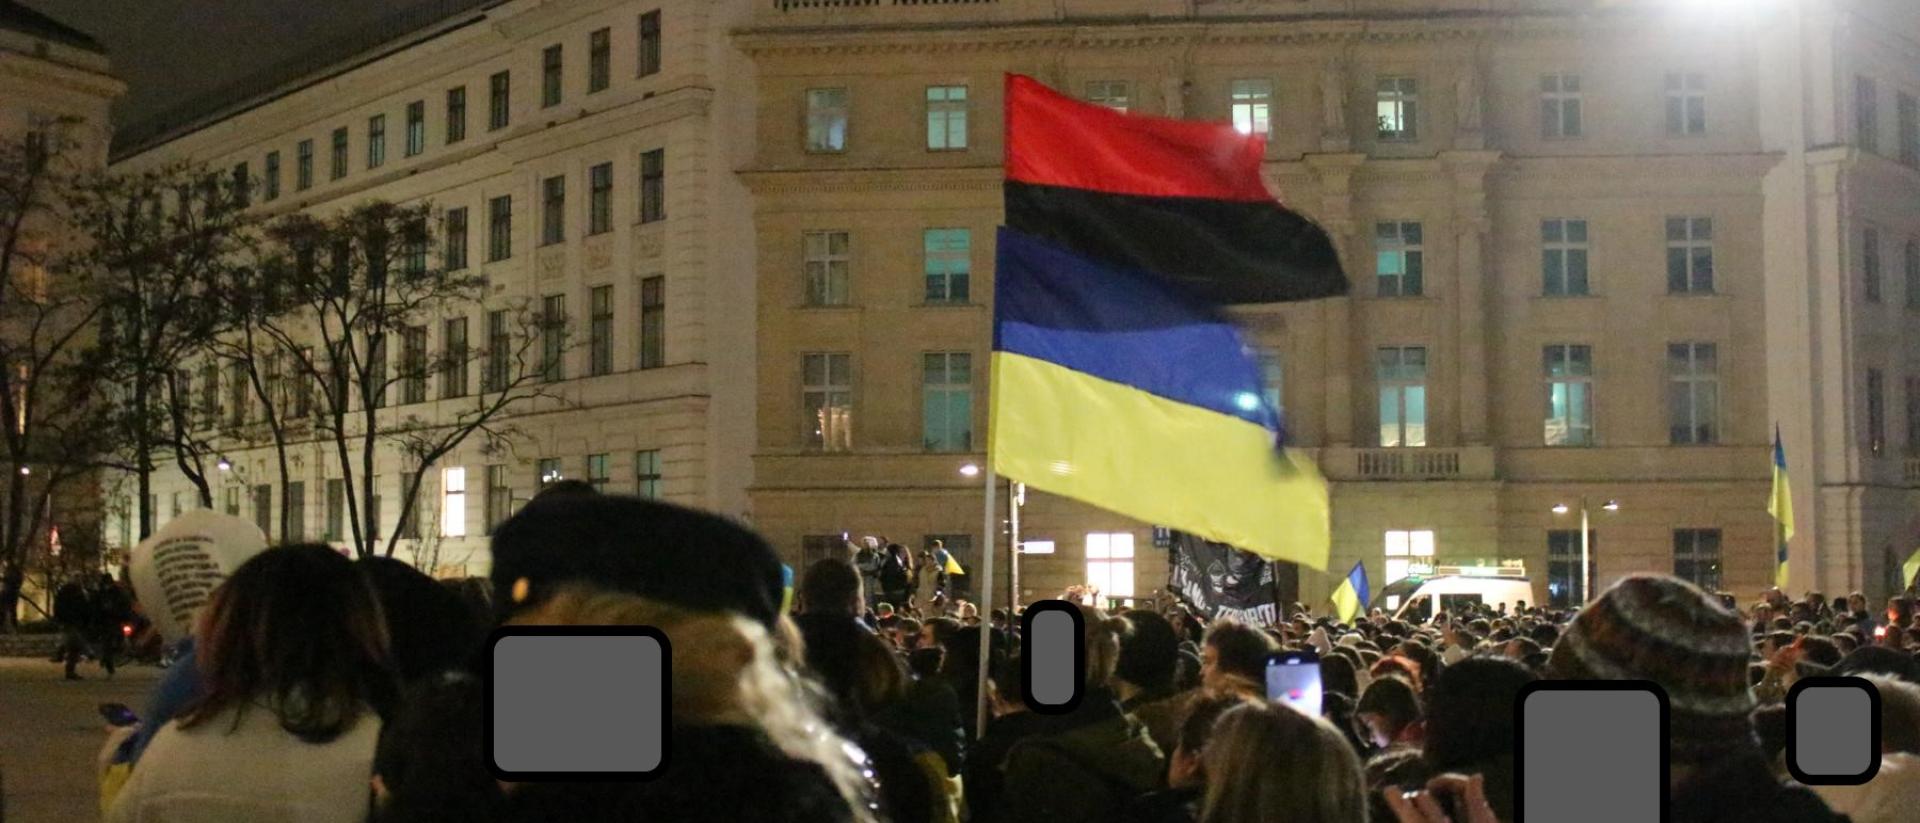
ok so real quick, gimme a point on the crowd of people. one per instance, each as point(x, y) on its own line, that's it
point(318, 688)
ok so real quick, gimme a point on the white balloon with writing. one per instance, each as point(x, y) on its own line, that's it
point(176, 570)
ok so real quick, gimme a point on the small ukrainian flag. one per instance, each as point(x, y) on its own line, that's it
point(1781, 507)
point(1353, 594)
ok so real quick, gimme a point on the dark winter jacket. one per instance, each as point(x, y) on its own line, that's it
point(1082, 766)
point(715, 774)
point(1741, 789)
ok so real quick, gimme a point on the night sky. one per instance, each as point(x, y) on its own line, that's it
point(171, 50)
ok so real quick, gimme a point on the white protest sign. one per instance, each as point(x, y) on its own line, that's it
point(176, 570)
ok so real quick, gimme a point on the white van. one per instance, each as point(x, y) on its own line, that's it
point(1455, 587)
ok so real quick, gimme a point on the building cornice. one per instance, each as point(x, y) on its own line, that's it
point(791, 181)
point(1212, 31)
point(60, 76)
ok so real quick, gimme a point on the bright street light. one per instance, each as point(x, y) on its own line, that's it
point(1560, 508)
point(1612, 506)
point(223, 465)
point(969, 470)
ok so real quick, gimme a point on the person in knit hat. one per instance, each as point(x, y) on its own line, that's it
point(1664, 630)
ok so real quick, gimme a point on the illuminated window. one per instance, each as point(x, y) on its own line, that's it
point(1110, 563)
point(1253, 107)
point(453, 502)
point(1407, 552)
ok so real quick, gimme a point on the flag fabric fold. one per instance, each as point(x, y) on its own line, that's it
point(1780, 505)
point(1117, 378)
point(1183, 200)
point(1351, 597)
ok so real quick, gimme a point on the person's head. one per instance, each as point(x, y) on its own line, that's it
point(1185, 768)
point(1838, 606)
point(1879, 660)
point(733, 680)
point(934, 632)
point(1519, 647)
point(431, 760)
point(1545, 634)
point(1775, 641)
point(1469, 711)
point(1899, 609)
point(1662, 629)
point(1234, 650)
point(1395, 665)
point(1338, 676)
point(906, 634)
point(883, 611)
point(925, 663)
point(1821, 650)
point(694, 559)
point(1268, 762)
point(830, 586)
point(1846, 642)
point(1386, 709)
point(430, 628)
point(298, 630)
point(1857, 602)
point(1148, 652)
point(1899, 713)
point(1104, 636)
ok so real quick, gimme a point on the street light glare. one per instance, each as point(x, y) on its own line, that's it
point(970, 470)
point(1560, 508)
point(223, 465)
point(1612, 506)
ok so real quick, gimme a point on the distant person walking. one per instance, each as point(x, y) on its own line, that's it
point(73, 610)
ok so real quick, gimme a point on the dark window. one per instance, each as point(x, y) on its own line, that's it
point(416, 127)
point(376, 140)
point(336, 510)
point(500, 228)
point(553, 210)
point(650, 43)
point(1565, 589)
point(409, 522)
point(494, 376)
point(263, 508)
point(499, 497)
point(303, 166)
point(296, 510)
point(1696, 557)
point(597, 472)
point(339, 169)
point(599, 60)
point(600, 199)
point(413, 365)
point(653, 186)
point(455, 236)
point(376, 388)
point(271, 183)
point(647, 476)
point(653, 322)
point(1876, 411)
point(242, 185)
point(499, 100)
point(553, 338)
point(600, 330)
point(551, 77)
point(453, 370)
point(456, 114)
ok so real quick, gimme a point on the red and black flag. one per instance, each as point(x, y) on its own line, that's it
point(1181, 199)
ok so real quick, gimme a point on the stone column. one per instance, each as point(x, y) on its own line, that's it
point(1334, 175)
point(1471, 228)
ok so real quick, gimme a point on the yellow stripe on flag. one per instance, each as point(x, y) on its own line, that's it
point(953, 566)
point(1910, 568)
point(1155, 460)
point(1346, 601)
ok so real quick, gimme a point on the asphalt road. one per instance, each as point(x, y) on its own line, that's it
point(50, 734)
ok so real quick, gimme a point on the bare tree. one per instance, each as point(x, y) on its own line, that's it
point(52, 406)
point(343, 292)
point(159, 243)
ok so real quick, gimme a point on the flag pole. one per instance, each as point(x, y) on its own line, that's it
point(991, 530)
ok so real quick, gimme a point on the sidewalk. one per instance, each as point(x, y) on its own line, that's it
point(50, 732)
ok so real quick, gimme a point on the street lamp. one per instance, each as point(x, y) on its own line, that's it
point(1586, 542)
point(970, 470)
point(224, 465)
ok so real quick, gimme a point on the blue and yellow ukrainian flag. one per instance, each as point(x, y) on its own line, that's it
point(1352, 596)
point(1117, 379)
point(1781, 507)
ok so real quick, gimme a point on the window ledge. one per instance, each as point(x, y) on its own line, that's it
point(1568, 297)
point(949, 305)
point(839, 308)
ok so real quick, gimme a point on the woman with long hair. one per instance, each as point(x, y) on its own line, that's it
point(1268, 761)
point(748, 743)
point(293, 656)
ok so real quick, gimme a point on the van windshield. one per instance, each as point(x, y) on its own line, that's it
point(1419, 610)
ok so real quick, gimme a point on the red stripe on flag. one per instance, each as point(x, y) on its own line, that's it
point(1055, 140)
